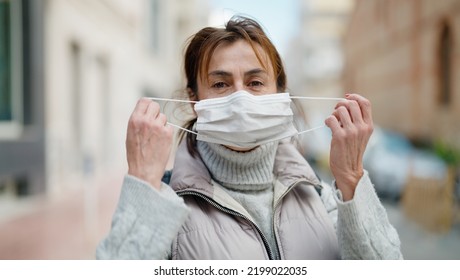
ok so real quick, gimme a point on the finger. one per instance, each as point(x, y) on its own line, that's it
point(138, 113)
point(162, 119)
point(141, 106)
point(169, 130)
point(342, 114)
point(355, 112)
point(353, 108)
point(364, 104)
point(153, 110)
point(333, 123)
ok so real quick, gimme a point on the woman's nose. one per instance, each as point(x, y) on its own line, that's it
point(239, 85)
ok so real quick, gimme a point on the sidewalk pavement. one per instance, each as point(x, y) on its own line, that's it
point(418, 243)
point(61, 229)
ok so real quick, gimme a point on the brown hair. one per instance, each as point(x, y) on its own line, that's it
point(202, 45)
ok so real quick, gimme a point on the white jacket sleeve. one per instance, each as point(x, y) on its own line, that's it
point(145, 222)
point(362, 225)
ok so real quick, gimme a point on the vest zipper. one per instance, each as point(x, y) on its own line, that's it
point(275, 220)
point(231, 212)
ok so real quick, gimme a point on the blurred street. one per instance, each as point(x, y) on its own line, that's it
point(419, 244)
point(59, 229)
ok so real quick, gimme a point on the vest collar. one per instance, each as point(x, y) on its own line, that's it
point(190, 173)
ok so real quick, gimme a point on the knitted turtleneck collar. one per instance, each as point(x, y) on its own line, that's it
point(243, 171)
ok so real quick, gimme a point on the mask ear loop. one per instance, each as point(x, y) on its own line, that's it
point(316, 98)
point(172, 100)
point(311, 129)
point(175, 100)
point(180, 127)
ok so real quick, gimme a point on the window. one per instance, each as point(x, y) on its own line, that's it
point(103, 87)
point(445, 66)
point(154, 25)
point(10, 69)
point(76, 90)
point(5, 75)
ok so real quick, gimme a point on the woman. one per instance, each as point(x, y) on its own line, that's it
point(232, 197)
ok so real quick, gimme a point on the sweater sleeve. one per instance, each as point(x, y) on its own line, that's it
point(362, 225)
point(145, 222)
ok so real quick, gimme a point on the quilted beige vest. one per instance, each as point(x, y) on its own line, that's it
point(217, 228)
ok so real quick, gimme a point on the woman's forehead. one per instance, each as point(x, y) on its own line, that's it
point(241, 55)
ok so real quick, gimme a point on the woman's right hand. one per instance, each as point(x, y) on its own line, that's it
point(148, 142)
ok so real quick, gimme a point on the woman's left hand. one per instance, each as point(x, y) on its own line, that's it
point(351, 125)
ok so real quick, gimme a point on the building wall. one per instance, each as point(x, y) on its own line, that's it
point(315, 60)
point(101, 57)
point(85, 65)
point(22, 157)
point(392, 51)
point(314, 65)
point(325, 23)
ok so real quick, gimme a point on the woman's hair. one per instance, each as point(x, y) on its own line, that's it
point(202, 45)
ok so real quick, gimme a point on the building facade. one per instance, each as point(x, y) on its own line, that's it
point(405, 57)
point(22, 127)
point(314, 65)
point(71, 74)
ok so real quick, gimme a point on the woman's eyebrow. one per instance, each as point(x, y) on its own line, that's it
point(251, 72)
point(220, 73)
point(255, 71)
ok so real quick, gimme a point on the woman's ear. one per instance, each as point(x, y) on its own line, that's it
point(192, 95)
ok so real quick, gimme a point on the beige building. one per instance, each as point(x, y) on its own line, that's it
point(106, 55)
point(86, 63)
point(318, 50)
point(314, 65)
point(405, 57)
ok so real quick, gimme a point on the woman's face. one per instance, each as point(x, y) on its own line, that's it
point(235, 67)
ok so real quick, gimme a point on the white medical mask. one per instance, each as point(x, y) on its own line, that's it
point(245, 120)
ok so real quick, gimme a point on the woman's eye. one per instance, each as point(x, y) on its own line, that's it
point(255, 83)
point(219, 85)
